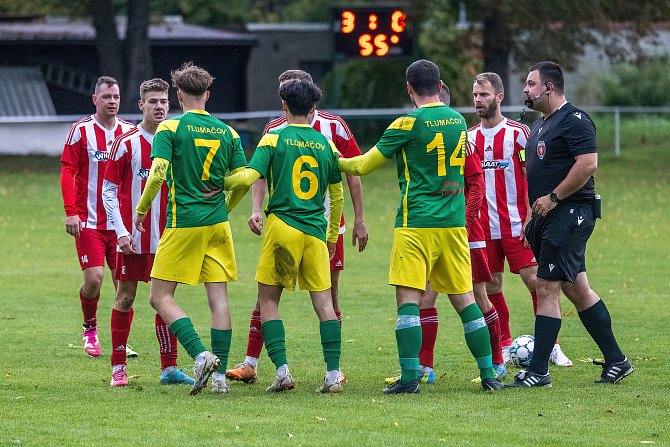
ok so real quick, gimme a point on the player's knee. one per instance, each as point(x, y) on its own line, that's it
point(124, 302)
point(494, 286)
point(92, 285)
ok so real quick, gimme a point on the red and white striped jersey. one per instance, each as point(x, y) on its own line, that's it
point(335, 129)
point(128, 167)
point(501, 150)
point(83, 164)
point(474, 191)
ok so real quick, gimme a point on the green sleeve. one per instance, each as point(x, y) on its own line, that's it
point(164, 140)
point(396, 136)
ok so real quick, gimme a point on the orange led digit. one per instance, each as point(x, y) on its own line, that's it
point(366, 47)
point(382, 48)
point(348, 22)
point(398, 21)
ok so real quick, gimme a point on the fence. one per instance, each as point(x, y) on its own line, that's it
point(44, 135)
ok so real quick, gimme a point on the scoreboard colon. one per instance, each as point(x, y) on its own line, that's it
point(372, 31)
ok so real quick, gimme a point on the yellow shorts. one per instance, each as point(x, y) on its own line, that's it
point(288, 253)
point(438, 255)
point(198, 254)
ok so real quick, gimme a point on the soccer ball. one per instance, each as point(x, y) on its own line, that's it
point(521, 350)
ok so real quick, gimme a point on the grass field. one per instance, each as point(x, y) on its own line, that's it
point(51, 393)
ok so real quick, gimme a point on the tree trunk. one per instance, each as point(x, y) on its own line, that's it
point(108, 45)
point(137, 52)
point(497, 41)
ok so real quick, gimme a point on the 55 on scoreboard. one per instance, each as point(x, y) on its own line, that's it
point(372, 31)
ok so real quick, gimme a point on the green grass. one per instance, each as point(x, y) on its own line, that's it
point(52, 394)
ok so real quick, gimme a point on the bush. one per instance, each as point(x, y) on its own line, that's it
point(641, 84)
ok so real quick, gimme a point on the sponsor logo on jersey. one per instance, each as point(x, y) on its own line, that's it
point(578, 114)
point(495, 164)
point(102, 156)
point(541, 149)
point(143, 173)
point(551, 267)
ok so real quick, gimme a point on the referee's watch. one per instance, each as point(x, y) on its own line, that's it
point(554, 197)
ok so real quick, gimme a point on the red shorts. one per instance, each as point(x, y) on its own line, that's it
point(511, 248)
point(94, 246)
point(337, 263)
point(480, 265)
point(134, 267)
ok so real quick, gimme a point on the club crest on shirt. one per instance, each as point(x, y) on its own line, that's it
point(143, 173)
point(101, 156)
point(541, 149)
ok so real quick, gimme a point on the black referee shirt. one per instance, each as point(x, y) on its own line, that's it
point(553, 144)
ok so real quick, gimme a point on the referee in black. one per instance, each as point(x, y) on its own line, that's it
point(561, 158)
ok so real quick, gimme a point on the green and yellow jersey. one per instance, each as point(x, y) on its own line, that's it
point(200, 149)
point(429, 145)
point(299, 163)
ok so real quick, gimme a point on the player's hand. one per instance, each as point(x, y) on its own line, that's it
point(359, 234)
point(522, 236)
point(139, 220)
point(256, 222)
point(73, 225)
point(127, 245)
point(543, 205)
point(211, 193)
point(331, 249)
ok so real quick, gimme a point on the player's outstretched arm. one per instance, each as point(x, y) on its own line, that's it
point(362, 164)
point(242, 179)
point(235, 195)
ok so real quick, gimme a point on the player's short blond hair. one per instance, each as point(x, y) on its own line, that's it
point(290, 75)
point(493, 78)
point(153, 85)
point(105, 80)
point(191, 79)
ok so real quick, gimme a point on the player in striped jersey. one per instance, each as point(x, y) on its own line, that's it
point(429, 238)
point(123, 183)
point(335, 129)
point(83, 164)
point(501, 143)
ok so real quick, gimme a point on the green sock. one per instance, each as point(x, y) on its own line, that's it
point(275, 341)
point(331, 343)
point(185, 332)
point(408, 337)
point(221, 345)
point(478, 339)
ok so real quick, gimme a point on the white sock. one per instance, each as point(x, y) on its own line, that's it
point(115, 368)
point(169, 369)
point(251, 361)
point(282, 371)
point(220, 377)
point(332, 376)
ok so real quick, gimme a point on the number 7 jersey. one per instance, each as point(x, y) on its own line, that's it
point(429, 145)
point(200, 149)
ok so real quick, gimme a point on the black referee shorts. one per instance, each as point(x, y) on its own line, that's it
point(558, 240)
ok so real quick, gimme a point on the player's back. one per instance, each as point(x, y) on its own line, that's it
point(430, 148)
point(302, 163)
point(201, 149)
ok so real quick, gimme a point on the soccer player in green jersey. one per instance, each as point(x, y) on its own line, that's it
point(300, 164)
point(430, 242)
point(194, 151)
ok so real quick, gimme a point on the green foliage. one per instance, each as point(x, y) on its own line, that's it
point(637, 84)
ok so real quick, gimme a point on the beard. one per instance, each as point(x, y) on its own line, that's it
point(487, 112)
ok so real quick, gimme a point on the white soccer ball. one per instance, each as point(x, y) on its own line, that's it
point(521, 350)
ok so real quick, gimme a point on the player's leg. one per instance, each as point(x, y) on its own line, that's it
point(168, 347)
point(120, 329)
point(247, 370)
point(494, 289)
point(336, 266)
point(221, 330)
point(429, 326)
point(274, 335)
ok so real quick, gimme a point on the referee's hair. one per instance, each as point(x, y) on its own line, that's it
point(424, 77)
point(493, 78)
point(300, 96)
point(550, 72)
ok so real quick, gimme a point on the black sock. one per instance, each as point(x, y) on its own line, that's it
point(596, 319)
point(546, 332)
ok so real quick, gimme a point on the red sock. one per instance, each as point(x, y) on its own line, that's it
point(89, 306)
point(533, 296)
point(120, 331)
point(255, 342)
point(339, 317)
point(167, 342)
point(498, 301)
point(493, 323)
point(429, 324)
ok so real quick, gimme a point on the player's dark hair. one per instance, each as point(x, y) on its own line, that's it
point(191, 79)
point(105, 80)
point(300, 96)
point(493, 78)
point(290, 75)
point(153, 85)
point(424, 77)
point(550, 72)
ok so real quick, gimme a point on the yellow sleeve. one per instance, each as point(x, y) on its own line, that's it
point(335, 191)
point(242, 179)
point(234, 197)
point(156, 178)
point(362, 164)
